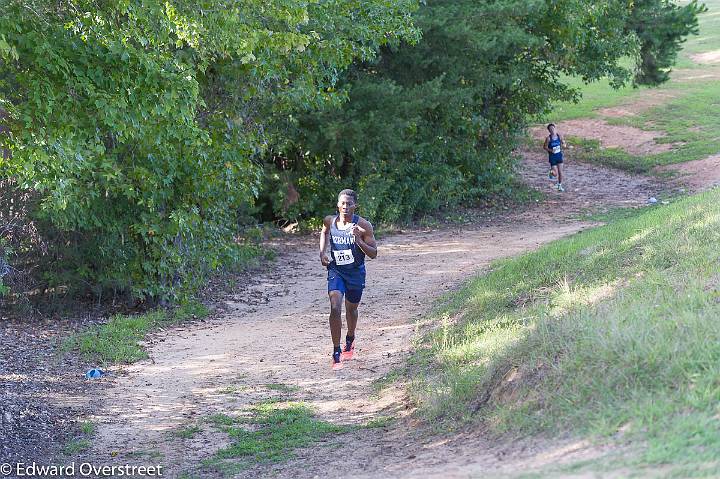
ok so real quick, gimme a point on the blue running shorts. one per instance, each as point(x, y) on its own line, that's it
point(352, 292)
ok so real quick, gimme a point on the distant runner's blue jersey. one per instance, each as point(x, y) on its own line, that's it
point(556, 147)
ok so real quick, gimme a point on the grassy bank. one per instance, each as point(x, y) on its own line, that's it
point(610, 330)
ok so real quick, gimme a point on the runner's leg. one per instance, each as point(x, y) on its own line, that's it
point(336, 300)
point(351, 317)
point(558, 168)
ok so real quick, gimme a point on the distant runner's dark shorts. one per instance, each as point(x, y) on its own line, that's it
point(556, 161)
point(351, 289)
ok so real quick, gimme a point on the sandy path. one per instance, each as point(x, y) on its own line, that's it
point(224, 365)
point(697, 175)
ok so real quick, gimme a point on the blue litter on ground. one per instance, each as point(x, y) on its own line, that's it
point(94, 373)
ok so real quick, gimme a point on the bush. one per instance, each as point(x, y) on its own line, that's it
point(138, 124)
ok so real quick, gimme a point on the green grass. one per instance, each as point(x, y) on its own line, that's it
point(80, 444)
point(187, 432)
point(596, 95)
point(613, 214)
point(118, 340)
point(221, 420)
point(283, 388)
point(688, 116)
point(270, 433)
point(87, 427)
point(380, 422)
point(232, 389)
point(601, 94)
point(691, 121)
point(190, 310)
point(76, 445)
point(613, 328)
point(709, 38)
point(590, 151)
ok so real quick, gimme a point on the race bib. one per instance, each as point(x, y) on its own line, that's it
point(556, 149)
point(343, 257)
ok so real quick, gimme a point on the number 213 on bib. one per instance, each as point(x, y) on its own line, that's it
point(343, 257)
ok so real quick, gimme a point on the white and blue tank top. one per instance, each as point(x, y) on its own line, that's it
point(345, 255)
point(555, 147)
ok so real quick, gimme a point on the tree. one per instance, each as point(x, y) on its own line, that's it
point(138, 122)
point(434, 123)
point(661, 27)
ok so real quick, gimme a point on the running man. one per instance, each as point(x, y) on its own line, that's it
point(554, 145)
point(345, 240)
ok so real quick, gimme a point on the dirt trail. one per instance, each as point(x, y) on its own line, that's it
point(697, 175)
point(249, 347)
point(275, 333)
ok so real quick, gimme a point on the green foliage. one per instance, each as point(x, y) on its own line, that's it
point(117, 341)
point(590, 151)
point(687, 120)
point(434, 124)
point(190, 310)
point(138, 122)
point(661, 27)
point(706, 40)
point(380, 422)
point(87, 427)
point(221, 420)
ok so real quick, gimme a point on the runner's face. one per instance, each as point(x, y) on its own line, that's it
point(346, 205)
point(551, 129)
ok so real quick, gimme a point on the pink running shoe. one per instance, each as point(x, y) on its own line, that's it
point(337, 361)
point(349, 350)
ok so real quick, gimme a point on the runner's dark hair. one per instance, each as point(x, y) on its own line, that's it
point(350, 193)
point(551, 124)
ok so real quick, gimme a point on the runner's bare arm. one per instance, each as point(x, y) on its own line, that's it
point(324, 239)
point(365, 238)
point(562, 141)
point(545, 145)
